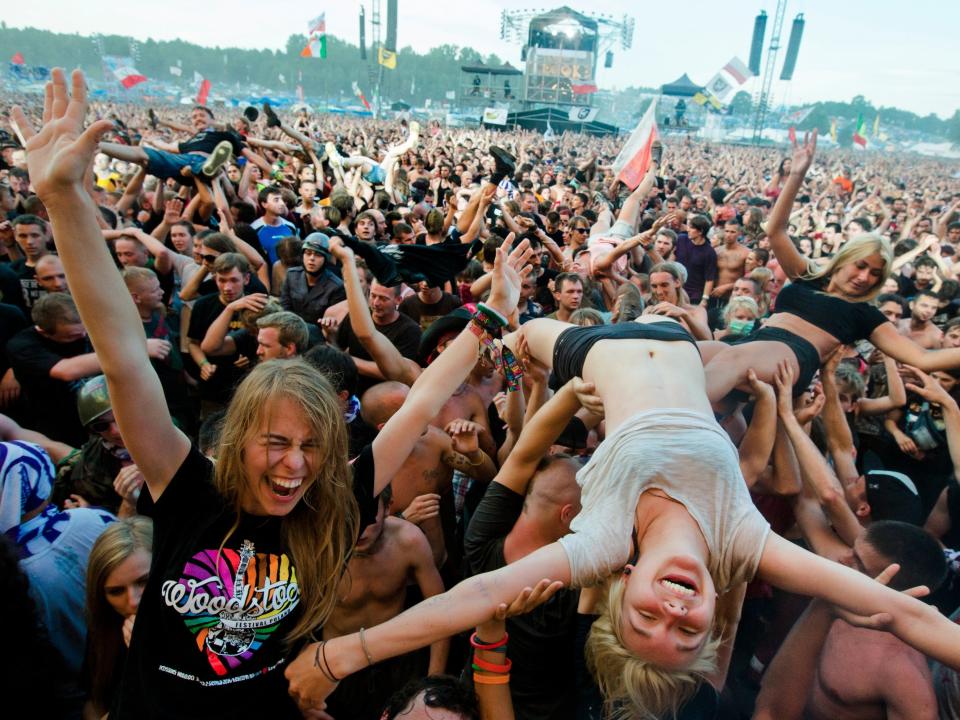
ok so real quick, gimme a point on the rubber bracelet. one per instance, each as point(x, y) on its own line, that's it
point(481, 664)
point(492, 313)
point(481, 645)
point(491, 679)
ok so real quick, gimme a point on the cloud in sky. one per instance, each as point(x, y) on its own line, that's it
point(892, 53)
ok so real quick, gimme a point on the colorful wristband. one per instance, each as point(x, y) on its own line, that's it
point(491, 679)
point(481, 664)
point(479, 644)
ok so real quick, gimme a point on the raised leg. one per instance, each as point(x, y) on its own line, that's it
point(727, 370)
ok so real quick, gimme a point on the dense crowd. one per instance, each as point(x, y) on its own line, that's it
point(342, 418)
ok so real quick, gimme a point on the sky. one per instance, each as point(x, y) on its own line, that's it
point(901, 54)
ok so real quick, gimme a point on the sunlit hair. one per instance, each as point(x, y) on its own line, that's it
point(320, 531)
point(586, 317)
point(858, 248)
point(631, 686)
point(118, 542)
point(763, 276)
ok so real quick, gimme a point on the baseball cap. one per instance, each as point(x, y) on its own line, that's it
point(893, 496)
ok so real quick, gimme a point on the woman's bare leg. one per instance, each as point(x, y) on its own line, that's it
point(728, 369)
point(540, 336)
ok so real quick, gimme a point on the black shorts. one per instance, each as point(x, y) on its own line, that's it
point(808, 357)
point(573, 344)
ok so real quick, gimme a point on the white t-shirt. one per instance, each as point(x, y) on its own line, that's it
point(689, 457)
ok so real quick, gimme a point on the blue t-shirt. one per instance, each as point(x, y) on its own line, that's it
point(270, 235)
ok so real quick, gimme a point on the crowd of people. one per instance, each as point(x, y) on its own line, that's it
point(313, 416)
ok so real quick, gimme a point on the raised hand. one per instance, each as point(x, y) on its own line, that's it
point(59, 154)
point(803, 154)
point(509, 269)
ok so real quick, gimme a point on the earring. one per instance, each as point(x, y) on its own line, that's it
point(626, 570)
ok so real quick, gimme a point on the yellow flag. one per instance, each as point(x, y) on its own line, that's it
point(876, 126)
point(387, 58)
point(833, 129)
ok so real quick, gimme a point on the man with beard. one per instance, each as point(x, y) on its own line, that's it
point(390, 555)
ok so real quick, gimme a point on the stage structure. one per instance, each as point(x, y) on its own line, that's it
point(764, 97)
point(560, 49)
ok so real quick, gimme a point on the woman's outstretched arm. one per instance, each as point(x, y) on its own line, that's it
point(58, 156)
point(790, 259)
point(464, 606)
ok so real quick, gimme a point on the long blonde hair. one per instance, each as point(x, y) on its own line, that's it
point(631, 686)
point(320, 531)
point(858, 248)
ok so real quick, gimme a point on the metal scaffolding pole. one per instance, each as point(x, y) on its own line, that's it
point(762, 101)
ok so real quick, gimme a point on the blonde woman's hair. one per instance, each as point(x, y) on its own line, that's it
point(855, 249)
point(320, 531)
point(631, 686)
point(740, 302)
point(761, 276)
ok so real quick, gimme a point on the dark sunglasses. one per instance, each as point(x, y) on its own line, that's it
point(209, 258)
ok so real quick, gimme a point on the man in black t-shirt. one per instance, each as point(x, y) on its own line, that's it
point(403, 332)
point(218, 374)
point(428, 304)
point(521, 512)
point(50, 360)
point(201, 155)
point(31, 235)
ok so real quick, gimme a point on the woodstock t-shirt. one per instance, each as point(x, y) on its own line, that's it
point(209, 636)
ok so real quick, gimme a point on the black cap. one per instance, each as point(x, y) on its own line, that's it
point(893, 496)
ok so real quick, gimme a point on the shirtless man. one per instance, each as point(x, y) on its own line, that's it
point(919, 327)
point(429, 468)
point(390, 555)
point(731, 258)
point(666, 284)
point(830, 669)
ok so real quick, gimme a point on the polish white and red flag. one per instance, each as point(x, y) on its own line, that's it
point(129, 76)
point(203, 88)
point(634, 159)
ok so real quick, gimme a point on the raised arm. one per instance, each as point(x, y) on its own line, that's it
point(440, 380)
point(903, 349)
point(932, 391)
point(790, 259)
point(391, 362)
point(58, 157)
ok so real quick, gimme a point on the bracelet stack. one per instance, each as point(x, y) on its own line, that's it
point(488, 673)
point(487, 324)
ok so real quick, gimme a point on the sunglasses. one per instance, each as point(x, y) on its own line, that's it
point(209, 258)
point(100, 425)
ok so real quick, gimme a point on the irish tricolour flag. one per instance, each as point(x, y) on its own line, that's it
point(860, 134)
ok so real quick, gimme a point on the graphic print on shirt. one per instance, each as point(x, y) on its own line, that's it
point(233, 601)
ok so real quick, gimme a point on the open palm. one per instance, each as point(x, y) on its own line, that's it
point(60, 153)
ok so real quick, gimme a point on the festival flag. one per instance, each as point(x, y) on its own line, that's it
point(387, 58)
point(282, 79)
point(203, 89)
point(129, 76)
point(584, 89)
point(175, 70)
point(860, 133)
point(876, 126)
point(548, 135)
point(360, 95)
point(792, 135)
point(300, 93)
point(723, 85)
point(318, 26)
point(634, 158)
point(316, 47)
point(17, 59)
point(833, 129)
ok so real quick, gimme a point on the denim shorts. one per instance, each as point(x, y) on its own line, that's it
point(168, 165)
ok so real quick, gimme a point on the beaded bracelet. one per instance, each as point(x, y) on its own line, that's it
point(491, 679)
point(479, 644)
point(481, 664)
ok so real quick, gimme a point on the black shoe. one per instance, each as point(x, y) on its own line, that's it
point(250, 113)
point(656, 152)
point(506, 164)
point(272, 119)
point(153, 118)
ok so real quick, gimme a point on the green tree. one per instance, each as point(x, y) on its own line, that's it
point(742, 103)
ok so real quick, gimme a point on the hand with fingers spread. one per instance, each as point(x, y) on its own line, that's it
point(803, 154)
point(59, 154)
point(883, 620)
point(930, 388)
point(254, 302)
point(509, 269)
point(172, 211)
